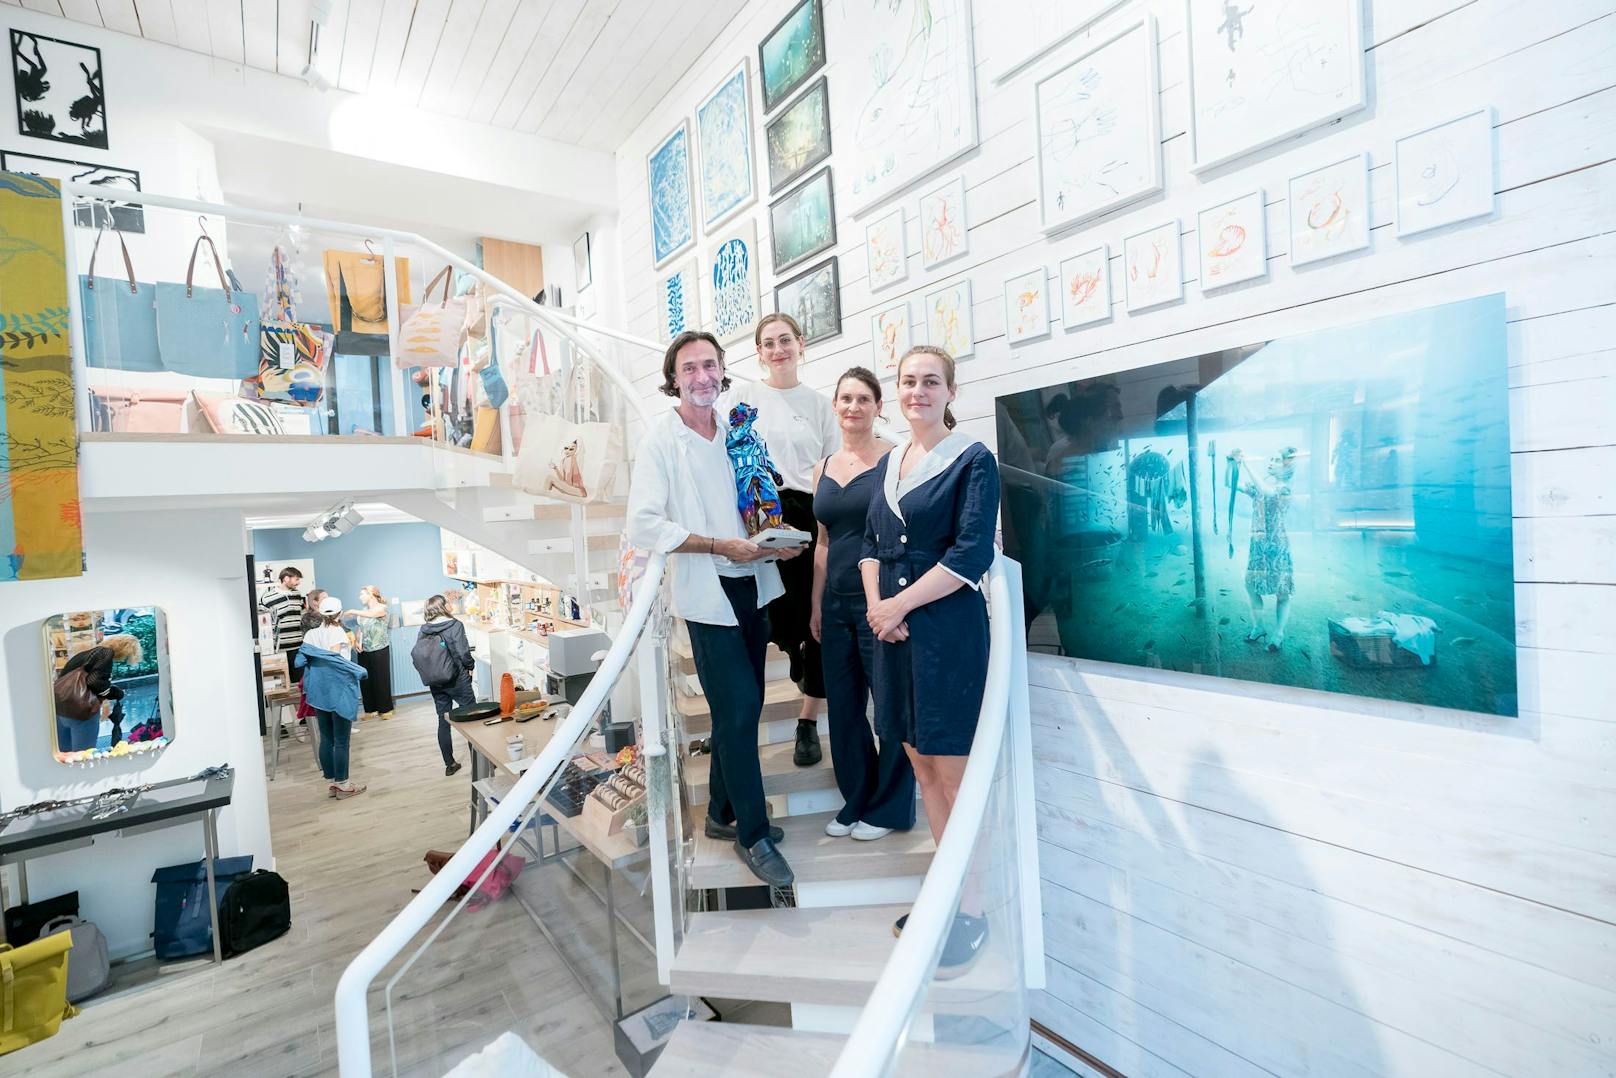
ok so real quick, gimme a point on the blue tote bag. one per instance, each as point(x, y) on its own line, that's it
point(208, 332)
point(120, 318)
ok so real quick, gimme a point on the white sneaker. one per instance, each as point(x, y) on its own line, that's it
point(868, 832)
point(836, 829)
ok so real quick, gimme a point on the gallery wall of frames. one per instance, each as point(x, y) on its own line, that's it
point(1381, 233)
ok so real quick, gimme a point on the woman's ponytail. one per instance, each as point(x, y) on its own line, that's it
point(948, 418)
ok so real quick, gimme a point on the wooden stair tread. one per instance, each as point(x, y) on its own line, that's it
point(825, 955)
point(816, 857)
point(679, 648)
point(781, 700)
point(780, 774)
point(738, 1050)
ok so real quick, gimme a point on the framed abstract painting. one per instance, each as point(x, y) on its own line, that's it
point(791, 52)
point(1233, 241)
point(814, 298)
point(802, 222)
point(724, 144)
point(667, 171)
point(1085, 284)
point(798, 137)
point(732, 281)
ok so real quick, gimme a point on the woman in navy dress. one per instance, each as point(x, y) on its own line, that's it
point(928, 542)
point(877, 785)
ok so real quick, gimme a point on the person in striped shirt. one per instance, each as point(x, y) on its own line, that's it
point(284, 604)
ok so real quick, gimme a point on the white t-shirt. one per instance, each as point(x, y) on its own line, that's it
point(714, 478)
point(331, 638)
point(797, 424)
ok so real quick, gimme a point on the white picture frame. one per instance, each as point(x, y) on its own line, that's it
point(678, 300)
point(1022, 31)
point(1269, 72)
point(1153, 267)
point(886, 251)
point(949, 324)
point(1445, 173)
point(1232, 238)
point(1085, 284)
point(732, 291)
point(669, 198)
point(1328, 210)
point(1097, 122)
point(945, 231)
point(890, 337)
point(726, 168)
point(1026, 307)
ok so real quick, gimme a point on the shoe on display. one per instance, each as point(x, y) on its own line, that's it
point(966, 939)
point(868, 832)
point(767, 863)
point(342, 793)
point(725, 832)
point(807, 752)
point(838, 829)
point(451, 767)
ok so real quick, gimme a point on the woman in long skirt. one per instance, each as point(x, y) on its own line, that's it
point(375, 652)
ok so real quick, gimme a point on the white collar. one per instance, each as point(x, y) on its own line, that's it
point(933, 464)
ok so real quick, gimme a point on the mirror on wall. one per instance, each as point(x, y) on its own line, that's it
point(110, 689)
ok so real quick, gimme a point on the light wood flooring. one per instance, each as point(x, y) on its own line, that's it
point(351, 866)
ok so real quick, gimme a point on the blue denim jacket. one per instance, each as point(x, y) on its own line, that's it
point(330, 682)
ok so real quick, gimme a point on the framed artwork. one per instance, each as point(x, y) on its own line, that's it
point(1445, 173)
point(814, 298)
point(1316, 474)
point(944, 233)
point(802, 222)
point(1329, 210)
point(678, 301)
point(1085, 283)
point(910, 84)
point(1153, 267)
point(799, 137)
point(583, 270)
point(791, 52)
point(889, 338)
point(668, 176)
point(1099, 129)
point(886, 251)
point(61, 94)
point(732, 280)
point(948, 319)
point(724, 138)
point(1021, 31)
point(1263, 73)
point(87, 213)
point(1233, 241)
point(1026, 307)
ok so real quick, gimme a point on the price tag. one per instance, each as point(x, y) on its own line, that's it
point(288, 355)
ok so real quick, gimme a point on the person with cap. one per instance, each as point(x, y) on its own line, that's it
point(331, 683)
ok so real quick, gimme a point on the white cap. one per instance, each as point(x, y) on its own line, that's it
point(330, 605)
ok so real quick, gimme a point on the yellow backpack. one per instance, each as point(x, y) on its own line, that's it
point(33, 991)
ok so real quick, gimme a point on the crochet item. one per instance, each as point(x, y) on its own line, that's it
point(757, 484)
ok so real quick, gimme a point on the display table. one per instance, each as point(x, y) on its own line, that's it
point(166, 804)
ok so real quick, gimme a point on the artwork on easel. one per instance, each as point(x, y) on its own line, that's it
point(61, 93)
point(1445, 173)
point(948, 319)
point(885, 251)
point(87, 212)
point(1329, 210)
point(1232, 238)
point(1153, 267)
point(911, 86)
point(1026, 307)
point(1021, 31)
point(889, 338)
point(1085, 283)
point(1099, 130)
point(1261, 73)
point(944, 233)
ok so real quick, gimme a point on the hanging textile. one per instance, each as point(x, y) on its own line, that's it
point(40, 533)
point(281, 292)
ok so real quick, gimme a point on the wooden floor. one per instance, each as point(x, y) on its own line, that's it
point(351, 866)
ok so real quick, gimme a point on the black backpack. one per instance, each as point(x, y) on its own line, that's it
point(255, 909)
point(434, 662)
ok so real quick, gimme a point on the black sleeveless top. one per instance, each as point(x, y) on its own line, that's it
point(842, 510)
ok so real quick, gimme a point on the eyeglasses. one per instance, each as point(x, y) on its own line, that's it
point(778, 342)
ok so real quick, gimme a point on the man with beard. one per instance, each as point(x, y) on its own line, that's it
point(683, 502)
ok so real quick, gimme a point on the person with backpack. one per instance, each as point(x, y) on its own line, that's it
point(331, 684)
point(442, 656)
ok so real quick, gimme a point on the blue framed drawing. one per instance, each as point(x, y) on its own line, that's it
point(733, 277)
point(668, 176)
point(678, 301)
point(724, 135)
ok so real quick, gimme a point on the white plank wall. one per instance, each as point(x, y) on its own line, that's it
point(1243, 879)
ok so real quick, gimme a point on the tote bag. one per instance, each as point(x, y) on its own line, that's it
point(120, 318)
point(291, 363)
point(574, 462)
point(431, 333)
point(211, 333)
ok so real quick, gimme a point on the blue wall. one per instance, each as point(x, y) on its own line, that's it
point(404, 560)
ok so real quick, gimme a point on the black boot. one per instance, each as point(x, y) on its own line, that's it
point(807, 752)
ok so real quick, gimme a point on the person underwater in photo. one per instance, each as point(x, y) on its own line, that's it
point(1269, 568)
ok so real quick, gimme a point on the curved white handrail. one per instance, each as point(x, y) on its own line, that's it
point(882, 1026)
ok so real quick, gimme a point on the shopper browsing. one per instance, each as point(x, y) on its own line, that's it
point(442, 656)
point(331, 684)
point(284, 605)
point(683, 501)
point(81, 729)
point(877, 784)
point(375, 651)
point(928, 541)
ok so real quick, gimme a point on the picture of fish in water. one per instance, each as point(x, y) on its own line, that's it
point(1329, 511)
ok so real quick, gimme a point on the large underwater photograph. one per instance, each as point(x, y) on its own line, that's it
point(1329, 511)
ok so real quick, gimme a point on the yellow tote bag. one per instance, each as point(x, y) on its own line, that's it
point(33, 991)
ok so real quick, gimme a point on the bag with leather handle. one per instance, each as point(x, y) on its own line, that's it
point(74, 700)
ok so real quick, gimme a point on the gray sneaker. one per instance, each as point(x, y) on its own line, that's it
point(767, 863)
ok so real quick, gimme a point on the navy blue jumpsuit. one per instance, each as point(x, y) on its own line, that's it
point(928, 689)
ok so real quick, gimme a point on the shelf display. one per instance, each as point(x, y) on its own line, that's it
point(1328, 511)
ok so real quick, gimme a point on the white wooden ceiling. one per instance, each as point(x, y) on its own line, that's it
point(583, 72)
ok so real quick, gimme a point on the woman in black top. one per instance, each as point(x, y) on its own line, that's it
point(878, 786)
point(75, 733)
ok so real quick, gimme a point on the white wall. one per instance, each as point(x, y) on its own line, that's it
point(192, 564)
point(1241, 879)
